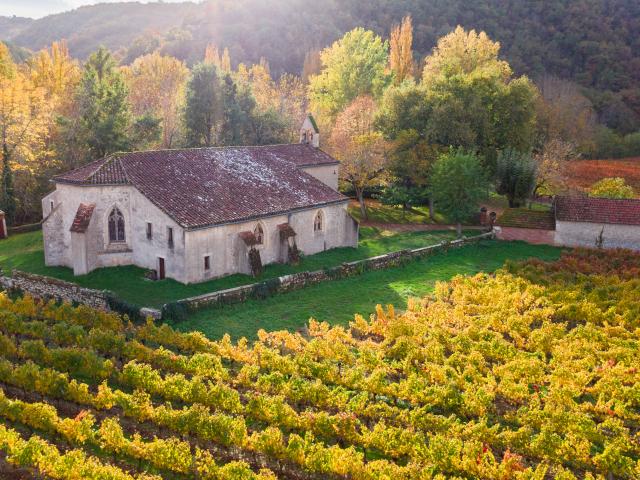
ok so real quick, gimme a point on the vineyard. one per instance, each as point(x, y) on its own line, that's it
point(584, 173)
point(531, 373)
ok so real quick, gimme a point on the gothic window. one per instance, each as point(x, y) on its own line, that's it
point(116, 226)
point(310, 137)
point(317, 223)
point(304, 137)
point(258, 232)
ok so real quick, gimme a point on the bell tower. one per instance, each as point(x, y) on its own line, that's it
point(309, 132)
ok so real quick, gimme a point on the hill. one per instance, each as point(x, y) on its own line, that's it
point(595, 43)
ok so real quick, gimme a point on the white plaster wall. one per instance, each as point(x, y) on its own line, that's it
point(228, 254)
point(327, 174)
point(137, 211)
point(579, 234)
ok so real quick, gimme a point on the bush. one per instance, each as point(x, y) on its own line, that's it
point(122, 306)
point(611, 188)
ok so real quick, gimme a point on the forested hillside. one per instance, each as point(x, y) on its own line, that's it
point(592, 42)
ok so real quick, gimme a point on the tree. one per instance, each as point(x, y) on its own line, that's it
point(401, 53)
point(24, 118)
point(459, 184)
point(7, 66)
point(552, 160)
point(471, 99)
point(203, 106)
point(105, 115)
point(156, 88)
point(354, 65)
point(360, 149)
point(515, 176)
point(614, 187)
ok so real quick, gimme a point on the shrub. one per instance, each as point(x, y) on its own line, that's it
point(611, 188)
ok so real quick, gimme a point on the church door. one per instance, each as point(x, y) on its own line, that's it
point(161, 272)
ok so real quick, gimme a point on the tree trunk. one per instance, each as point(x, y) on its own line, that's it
point(363, 207)
point(431, 210)
point(459, 230)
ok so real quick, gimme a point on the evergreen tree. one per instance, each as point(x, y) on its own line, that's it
point(203, 107)
point(105, 115)
point(515, 176)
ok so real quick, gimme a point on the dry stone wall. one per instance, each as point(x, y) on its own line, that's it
point(39, 286)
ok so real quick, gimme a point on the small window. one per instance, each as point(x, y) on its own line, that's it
point(149, 231)
point(170, 237)
point(52, 205)
point(207, 263)
point(317, 223)
point(259, 234)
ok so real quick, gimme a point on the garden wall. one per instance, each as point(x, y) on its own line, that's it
point(301, 280)
point(39, 286)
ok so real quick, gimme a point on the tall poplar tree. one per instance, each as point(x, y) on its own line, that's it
point(401, 53)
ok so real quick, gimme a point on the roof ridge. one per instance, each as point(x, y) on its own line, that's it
point(213, 147)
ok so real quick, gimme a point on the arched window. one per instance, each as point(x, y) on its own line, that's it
point(317, 222)
point(116, 226)
point(259, 234)
point(304, 137)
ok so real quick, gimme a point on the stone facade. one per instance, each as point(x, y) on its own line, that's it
point(584, 234)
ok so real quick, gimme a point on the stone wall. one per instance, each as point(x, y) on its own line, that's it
point(301, 280)
point(39, 286)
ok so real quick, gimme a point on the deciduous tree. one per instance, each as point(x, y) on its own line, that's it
point(156, 88)
point(354, 65)
point(459, 184)
point(614, 187)
point(401, 53)
point(359, 147)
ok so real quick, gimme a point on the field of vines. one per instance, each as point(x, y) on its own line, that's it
point(530, 373)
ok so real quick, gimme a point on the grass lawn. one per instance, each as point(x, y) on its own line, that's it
point(336, 302)
point(377, 212)
point(25, 252)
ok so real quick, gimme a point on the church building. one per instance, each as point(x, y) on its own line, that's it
point(200, 213)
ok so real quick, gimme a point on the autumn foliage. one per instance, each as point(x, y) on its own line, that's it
point(529, 373)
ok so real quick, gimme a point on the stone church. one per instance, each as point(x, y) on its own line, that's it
point(196, 214)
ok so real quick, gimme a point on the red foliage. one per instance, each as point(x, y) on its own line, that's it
point(584, 173)
point(623, 263)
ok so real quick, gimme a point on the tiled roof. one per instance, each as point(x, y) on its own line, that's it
point(207, 186)
point(598, 210)
point(82, 218)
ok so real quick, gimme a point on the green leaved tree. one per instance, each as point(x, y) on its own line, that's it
point(353, 66)
point(459, 184)
point(516, 176)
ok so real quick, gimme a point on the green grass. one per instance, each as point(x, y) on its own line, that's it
point(377, 212)
point(336, 302)
point(25, 252)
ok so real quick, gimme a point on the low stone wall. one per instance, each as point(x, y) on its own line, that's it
point(301, 280)
point(39, 286)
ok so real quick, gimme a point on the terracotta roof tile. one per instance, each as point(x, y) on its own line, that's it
point(598, 210)
point(83, 218)
point(208, 186)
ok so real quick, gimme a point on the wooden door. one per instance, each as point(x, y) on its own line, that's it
point(161, 272)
